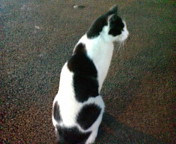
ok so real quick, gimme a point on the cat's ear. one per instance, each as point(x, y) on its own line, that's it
point(100, 22)
point(113, 10)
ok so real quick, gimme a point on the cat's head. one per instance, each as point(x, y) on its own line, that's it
point(109, 26)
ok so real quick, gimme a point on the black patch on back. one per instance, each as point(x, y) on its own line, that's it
point(99, 23)
point(80, 63)
point(80, 49)
point(72, 135)
point(85, 74)
point(56, 112)
point(116, 25)
point(88, 115)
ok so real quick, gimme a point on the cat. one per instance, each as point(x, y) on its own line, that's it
point(78, 106)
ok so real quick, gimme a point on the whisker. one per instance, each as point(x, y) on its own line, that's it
point(120, 46)
point(124, 42)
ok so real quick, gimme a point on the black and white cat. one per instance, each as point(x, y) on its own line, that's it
point(78, 106)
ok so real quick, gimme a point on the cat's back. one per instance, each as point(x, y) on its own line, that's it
point(84, 74)
point(78, 86)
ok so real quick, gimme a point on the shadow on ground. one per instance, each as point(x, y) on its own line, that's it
point(121, 134)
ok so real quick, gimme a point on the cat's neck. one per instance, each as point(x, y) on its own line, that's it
point(100, 52)
point(96, 47)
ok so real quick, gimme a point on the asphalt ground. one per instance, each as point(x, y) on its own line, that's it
point(37, 37)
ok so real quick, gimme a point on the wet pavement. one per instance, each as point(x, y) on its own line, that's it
point(37, 37)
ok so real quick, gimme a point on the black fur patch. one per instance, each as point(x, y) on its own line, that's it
point(85, 74)
point(80, 49)
point(72, 135)
point(97, 27)
point(99, 23)
point(116, 25)
point(80, 63)
point(88, 115)
point(56, 112)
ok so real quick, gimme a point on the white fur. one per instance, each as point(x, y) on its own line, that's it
point(99, 50)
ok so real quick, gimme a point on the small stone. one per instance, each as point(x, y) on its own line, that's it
point(41, 55)
point(25, 8)
point(75, 6)
point(37, 27)
point(78, 6)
